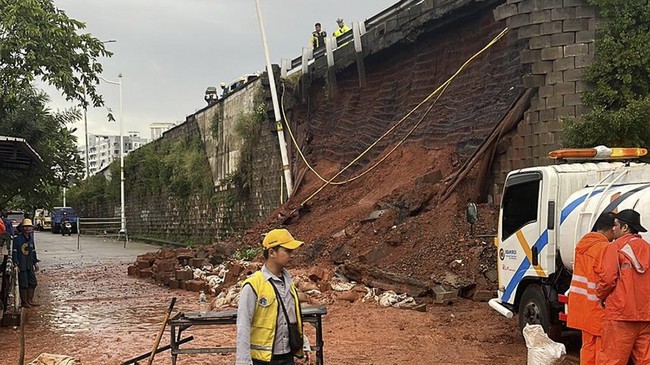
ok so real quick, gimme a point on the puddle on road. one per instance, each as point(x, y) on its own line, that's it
point(101, 316)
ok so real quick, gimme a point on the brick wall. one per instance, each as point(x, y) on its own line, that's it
point(560, 45)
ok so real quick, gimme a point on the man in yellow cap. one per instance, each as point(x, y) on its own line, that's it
point(26, 263)
point(269, 321)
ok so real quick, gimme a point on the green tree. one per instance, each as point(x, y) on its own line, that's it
point(50, 137)
point(620, 80)
point(39, 41)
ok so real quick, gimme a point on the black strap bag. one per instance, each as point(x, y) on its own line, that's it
point(295, 339)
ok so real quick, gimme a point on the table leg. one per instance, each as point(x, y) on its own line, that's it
point(173, 344)
point(319, 341)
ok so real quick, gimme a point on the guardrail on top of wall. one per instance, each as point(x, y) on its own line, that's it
point(377, 19)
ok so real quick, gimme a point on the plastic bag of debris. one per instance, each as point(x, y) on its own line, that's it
point(541, 349)
point(50, 359)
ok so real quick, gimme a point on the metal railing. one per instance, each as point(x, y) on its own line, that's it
point(101, 227)
point(370, 23)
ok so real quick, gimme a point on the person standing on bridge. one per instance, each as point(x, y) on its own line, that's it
point(585, 312)
point(318, 37)
point(624, 287)
point(342, 29)
point(26, 263)
point(269, 320)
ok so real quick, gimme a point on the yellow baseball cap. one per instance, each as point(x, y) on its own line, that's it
point(280, 237)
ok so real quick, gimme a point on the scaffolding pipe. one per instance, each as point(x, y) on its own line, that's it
point(276, 107)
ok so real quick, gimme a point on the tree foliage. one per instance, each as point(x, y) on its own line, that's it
point(620, 80)
point(50, 137)
point(39, 41)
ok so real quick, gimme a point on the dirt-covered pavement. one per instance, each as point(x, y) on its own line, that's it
point(93, 311)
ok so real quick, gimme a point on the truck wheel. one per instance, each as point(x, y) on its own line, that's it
point(534, 308)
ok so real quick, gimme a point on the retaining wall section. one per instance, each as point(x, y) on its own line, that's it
point(559, 36)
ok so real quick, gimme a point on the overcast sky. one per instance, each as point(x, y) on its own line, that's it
point(169, 51)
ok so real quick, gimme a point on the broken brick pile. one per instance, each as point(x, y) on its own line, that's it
point(178, 268)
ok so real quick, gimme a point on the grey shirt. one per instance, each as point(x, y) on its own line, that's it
point(246, 311)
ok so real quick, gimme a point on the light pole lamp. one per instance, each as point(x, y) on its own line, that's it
point(86, 121)
point(122, 212)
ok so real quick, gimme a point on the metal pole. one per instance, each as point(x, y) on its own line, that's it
point(122, 212)
point(64, 197)
point(86, 133)
point(276, 107)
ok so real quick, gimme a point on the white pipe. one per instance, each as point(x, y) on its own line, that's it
point(276, 107)
point(496, 305)
point(122, 210)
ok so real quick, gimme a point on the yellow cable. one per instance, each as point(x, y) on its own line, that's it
point(440, 90)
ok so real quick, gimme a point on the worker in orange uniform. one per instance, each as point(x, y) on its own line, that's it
point(624, 286)
point(585, 311)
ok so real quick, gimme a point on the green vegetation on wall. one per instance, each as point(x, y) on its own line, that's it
point(178, 168)
point(620, 79)
point(248, 128)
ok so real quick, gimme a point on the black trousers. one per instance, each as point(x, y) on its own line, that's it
point(6, 279)
point(286, 359)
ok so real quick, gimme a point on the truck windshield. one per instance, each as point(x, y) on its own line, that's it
point(519, 207)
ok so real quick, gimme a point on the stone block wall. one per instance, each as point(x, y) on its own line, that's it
point(560, 36)
point(202, 219)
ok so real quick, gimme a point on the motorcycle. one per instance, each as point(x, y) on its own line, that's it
point(66, 228)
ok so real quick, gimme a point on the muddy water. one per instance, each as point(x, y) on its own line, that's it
point(93, 311)
point(100, 316)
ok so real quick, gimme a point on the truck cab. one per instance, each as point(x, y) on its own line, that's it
point(42, 219)
point(57, 217)
point(544, 212)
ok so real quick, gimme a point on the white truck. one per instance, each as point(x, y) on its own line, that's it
point(544, 213)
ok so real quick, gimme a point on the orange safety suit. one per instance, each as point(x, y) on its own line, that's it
point(625, 288)
point(585, 311)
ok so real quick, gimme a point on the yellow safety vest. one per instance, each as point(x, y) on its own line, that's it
point(265, 317)
point(340, 31)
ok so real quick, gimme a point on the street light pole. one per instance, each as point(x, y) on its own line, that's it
point(122, 212)
point(86, 133)
point(86, 123)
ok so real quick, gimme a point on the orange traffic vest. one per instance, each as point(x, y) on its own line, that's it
point(585, 311)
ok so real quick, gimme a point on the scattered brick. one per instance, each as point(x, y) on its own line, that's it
point(196, 263)
point(184, 275)
point(133, 270)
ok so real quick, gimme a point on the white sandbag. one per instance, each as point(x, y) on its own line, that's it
point(541, 349)
point(50, 359)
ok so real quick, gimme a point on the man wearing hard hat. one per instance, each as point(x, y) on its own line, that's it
point(26, 263)
point(624, 287)
point(269, 321)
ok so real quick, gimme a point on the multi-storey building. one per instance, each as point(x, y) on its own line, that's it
point(103, 149)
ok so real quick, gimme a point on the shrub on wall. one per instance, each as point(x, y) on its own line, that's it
point(177, 168)
point(619, 77)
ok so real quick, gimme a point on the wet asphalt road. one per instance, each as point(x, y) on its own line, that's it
point(57, 251)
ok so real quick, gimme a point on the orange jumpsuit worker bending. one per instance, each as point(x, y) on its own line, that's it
point(585, 311)
point(624, 286)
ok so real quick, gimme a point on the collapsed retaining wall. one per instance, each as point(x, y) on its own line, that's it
point(406, 57)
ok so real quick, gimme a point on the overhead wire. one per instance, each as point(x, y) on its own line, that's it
point(438, 91)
